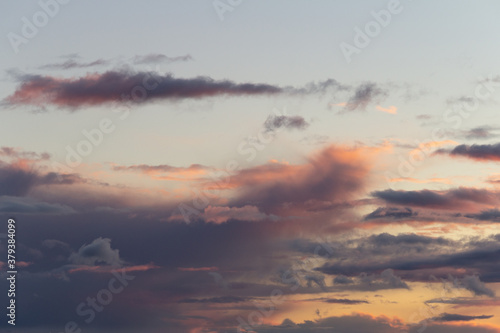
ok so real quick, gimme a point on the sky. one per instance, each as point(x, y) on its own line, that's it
point(247, 166)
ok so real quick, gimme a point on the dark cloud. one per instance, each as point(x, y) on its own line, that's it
point(123, 86)
point(365, 94)
point(112, 86)
point(453, 198)
point(275, 122)
point(24, 205)
point(489, 152)
point(486, 215)
point(17, 180)
point(458, 317)
point(342, 279)
point(391, 212)
point(429, 258)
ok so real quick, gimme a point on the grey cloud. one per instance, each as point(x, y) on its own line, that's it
point(275, 122)
point(99, 251)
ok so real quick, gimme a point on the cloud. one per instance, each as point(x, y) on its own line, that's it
point(454, 198)
point(489, 152)
point(24, 205)
point(110, 88)
point(330, 176)
point(15, 181)
point(418, 257)
point(486, 215)
point(342, 279)
point(391, 110)
point(455, 328)
point(19, 154)
point(219, 214)
point(475, 285)
point(344, 301)
point(355, 323)
point(217, 300)
point(367, 282)
point(458, 317)
point(420, 181)
point(365, 94)
point(18, 179)
point(97, 252)
point(71, 63)
point(482, 132)
point(166, 172)
point(391, 212)
point(116, 87)
point(155, 58)
point(466, 302)
point(275, 122)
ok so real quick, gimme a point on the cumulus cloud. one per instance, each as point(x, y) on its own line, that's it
point(330, 176)
point(97, 252)
point(474, 284)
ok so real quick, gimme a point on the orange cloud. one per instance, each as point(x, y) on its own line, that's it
point(421, 181)
point(392, 109)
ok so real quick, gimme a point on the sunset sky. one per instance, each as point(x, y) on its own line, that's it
point(251, 166)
